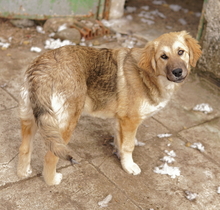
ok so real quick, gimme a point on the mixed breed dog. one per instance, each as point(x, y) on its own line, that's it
point(128, 85)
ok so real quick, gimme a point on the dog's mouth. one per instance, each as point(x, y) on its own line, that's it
point(177, 80)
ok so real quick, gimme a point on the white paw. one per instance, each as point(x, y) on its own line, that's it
point(131, 167)
point(57, 178)
point(23, 173)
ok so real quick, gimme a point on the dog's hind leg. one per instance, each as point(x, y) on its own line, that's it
point(28, 130)
point(51, 177)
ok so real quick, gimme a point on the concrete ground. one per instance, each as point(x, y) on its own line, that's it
point(99, 172)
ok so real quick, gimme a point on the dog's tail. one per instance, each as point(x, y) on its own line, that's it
point(49, 129)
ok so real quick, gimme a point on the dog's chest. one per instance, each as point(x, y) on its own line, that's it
point(146, 109)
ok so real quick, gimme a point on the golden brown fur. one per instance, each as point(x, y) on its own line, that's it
point(126, 84)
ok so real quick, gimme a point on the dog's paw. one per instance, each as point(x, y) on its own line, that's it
point(57, 179)
point(24, 172)
point(131, 167)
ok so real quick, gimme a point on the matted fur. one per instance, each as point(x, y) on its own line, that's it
point(126, 84)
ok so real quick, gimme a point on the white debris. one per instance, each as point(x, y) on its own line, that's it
point(129, 43)
point(182, 21)
point(149, 22)
point(35, 49)
point(169, 170)
point(52, 34)
point(145, 7)
point(62, 27)
point(4, 45)
point(203, 107)
point(218, 190)
point(190, 195)
point(115, 23)
point(56, 43)
point(157, 13)
point(139, 143)
point(170, 153)
point(40, 30)
point(147, 15)
point(175, 7)
point(129, 17)
point(105, 201)
point(198, 146)
point(168, 159)
point(158, 2)
point(151, 14)
point(185, 10)
point(164, 135)
point(169, 27)
point(130, 9)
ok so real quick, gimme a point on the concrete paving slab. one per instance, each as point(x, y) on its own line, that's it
point(83, 188)
point(13, 65)
point(208, 134)
point(7, 101)
point(150, 190)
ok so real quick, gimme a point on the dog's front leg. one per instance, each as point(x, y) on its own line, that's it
point(127, 128)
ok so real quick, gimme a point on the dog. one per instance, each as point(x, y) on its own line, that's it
point(128, 85)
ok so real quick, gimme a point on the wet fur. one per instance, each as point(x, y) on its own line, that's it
point(126, 84)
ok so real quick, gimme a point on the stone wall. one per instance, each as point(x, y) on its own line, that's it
point(209, 64)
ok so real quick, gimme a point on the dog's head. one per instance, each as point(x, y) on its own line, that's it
point(171, 55)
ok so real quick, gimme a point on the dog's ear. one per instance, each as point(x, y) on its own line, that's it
point(147, 60)
point(194, 48)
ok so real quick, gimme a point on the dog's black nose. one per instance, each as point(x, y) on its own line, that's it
point(177, 72)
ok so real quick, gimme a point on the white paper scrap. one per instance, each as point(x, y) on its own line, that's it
point(164, 135)
point(40, 30)
point(145, 7)
point(168, 159)
point(203, 107)
point(170, 153)
point(35, 49)
point(169, 170)
point(56, 43)
point(182, 21)
point(4, 45)
point(175, 7)
point(198, 146)
point(130, 9)
point(105, 201)
point(218, 190)
point(190, 195)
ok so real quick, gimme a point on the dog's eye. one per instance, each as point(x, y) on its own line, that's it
point(164, 56)
point(180, 52)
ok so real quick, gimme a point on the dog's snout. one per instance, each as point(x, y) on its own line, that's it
point(177, 72)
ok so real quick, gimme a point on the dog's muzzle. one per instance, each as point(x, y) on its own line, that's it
point(177, 75)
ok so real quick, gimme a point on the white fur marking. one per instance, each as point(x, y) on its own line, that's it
point(26, 111)
point(147, 109)
point(57, 178)
point(60, 109)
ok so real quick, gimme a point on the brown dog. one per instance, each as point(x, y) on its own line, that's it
point(126, 84)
